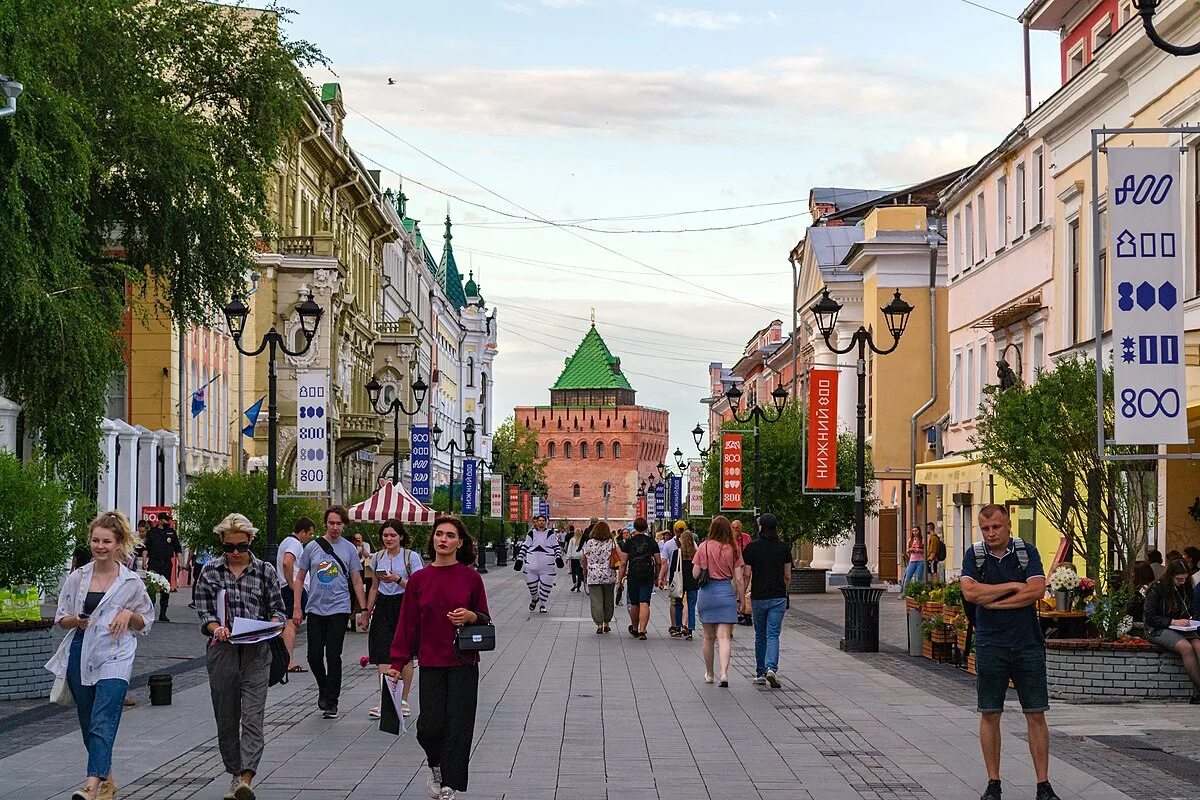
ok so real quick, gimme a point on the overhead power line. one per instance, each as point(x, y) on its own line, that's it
point(609, 271)
point(989, 8)
point(708, 229)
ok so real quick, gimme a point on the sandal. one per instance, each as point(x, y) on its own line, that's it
point(405, 711)
point(297, 668)
point(599, 629)
point(374, 713)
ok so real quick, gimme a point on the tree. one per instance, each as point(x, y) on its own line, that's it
point(34, 537)
point(136, 173)
point(517, 450)
point(806, 517)
point(1042, 440)
point(212, 496)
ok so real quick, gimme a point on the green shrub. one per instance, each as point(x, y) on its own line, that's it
point(915, 589)
point(35, 537)
point(214, 495)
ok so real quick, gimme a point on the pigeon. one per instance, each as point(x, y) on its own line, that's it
point(391, 81)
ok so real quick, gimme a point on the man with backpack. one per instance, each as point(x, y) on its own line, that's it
point(935, 551)
point(640, 563)
point(337, 571)
point(1002, 580)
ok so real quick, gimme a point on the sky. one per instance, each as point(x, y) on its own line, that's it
point(619, 115)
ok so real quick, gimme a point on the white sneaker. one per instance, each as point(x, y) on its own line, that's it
point(759, 681)
point(434, 784)
point(542, 610)
point(447, 794)
point(772, 679)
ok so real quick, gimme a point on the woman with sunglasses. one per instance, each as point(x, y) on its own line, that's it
point(238, 674)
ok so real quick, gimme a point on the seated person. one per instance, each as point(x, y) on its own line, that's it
point(1169, 602)
point(1143, 576)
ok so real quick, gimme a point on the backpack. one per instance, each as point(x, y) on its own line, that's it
point(979, 552)
point(641, 567)
point(941, 552)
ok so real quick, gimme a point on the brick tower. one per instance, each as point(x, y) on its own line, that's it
point(593, 433)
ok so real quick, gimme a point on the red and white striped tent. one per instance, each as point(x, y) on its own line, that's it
point(392, 502)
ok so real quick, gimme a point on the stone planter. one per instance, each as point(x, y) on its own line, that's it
point(1091, 671)
point(25, 647)
point(808, 580)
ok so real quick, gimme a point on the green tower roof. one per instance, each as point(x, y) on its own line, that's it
point(471, 289)
point(592, 367)
point(448, 272)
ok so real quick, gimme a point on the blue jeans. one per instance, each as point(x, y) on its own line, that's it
point(915, 569)
point(768, 622)
point(677, 610)
point(99, 710)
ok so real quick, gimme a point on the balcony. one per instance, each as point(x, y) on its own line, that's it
point(321, 244)
point(356, 431)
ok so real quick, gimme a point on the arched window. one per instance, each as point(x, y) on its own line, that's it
point(575, 490)
point(599, 449)
point(550, 449)
point(470, 370)
point(583, 449)
point(616, 449)
point(566, 449)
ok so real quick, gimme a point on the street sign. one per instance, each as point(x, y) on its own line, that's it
point(422, 457)
point(660, 501)
point(1145, 248)
point(470, 487)
point(731, 471)
point(695, 490)
point(526, 506)
point(497, 496)
point(312, 439)
point(676, 497)
point(822, 429)
point(514, 503)
point(641, 507)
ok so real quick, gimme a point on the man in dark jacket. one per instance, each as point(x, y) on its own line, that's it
point(162, 545)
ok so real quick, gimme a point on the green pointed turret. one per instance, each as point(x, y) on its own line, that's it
point(448, 272)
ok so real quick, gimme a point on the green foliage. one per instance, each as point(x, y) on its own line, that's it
point(515, 453)
point(915, 589)
point(952, 594)
point(1110, 613)
point(802, 517)
point(139, 161)
point(1042, 439)
point(35, 540)
point(214, 495)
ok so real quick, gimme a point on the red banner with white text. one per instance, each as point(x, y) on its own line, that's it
point(514, 503)
point(526, 506)
point(822, 429)
point(641, 507)
point(731, 471)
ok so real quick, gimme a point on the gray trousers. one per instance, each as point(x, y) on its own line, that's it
point(237, 679)
point(600, 595)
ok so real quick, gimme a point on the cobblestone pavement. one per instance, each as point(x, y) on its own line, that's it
point(567, 714)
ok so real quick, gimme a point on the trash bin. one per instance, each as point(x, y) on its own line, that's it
point(914, 632)
point(160, 690)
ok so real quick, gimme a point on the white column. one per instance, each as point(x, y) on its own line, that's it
point(822, 557)
point(169, 444)
point(147, 468)
point(127, 470)
point(106, 483)
point(9, 411)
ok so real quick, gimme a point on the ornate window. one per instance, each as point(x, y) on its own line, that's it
point(550, 449)
point(583, 449)
point(566, 449)
point(599, 449)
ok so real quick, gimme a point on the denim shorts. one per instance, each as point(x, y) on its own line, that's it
point(1024, 666)
point(637, 592)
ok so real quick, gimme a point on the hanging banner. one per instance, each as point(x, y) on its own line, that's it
point(695, 490)
point(312, 441)
point(470, 486)
point(660, 501)
point(514, 503)
point(676, 497)
point(526, 507)
point(731, 471)
point(497, 496)
point(421, 463)
point(822, 429)
point(641, 507)
point(1145, 248)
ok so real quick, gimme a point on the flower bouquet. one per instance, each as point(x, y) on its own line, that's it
point(154, 582)
point(1084, 593)
point(1063, 581)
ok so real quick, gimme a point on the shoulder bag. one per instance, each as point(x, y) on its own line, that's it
point(476, 638)
point(324, 544)
point(279, 654)
point(676, 582)
point(703, 578)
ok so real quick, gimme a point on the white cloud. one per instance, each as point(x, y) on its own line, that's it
point(515, 8)
point(704, 20)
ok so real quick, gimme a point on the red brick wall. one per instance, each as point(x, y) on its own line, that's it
point(642, 434)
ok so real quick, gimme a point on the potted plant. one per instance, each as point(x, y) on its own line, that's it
point(1063, 582)
point(913, 591)
point(952, 599)
point(933, 602)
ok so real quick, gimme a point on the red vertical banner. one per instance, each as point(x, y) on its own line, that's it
point(731, 471)
point(641, 507)
point(526, 506)
point(514, 503)
point(822, 429)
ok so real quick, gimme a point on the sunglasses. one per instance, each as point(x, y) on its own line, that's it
point(244, 547)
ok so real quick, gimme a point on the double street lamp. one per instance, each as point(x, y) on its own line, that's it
point(862, 601)
point(1146, 9)
point(310, 315)
point(452, 447)
point(396, 407)
point(758, 415)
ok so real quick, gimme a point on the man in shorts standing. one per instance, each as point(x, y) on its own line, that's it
point(1004, 578)
point(640, 564)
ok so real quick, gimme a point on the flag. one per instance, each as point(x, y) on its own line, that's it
point(252, 414)
point(197, 402)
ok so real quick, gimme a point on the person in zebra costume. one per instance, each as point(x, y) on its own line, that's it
point(540, 558)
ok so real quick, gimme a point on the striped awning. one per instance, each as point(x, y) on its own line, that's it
point(392, 502)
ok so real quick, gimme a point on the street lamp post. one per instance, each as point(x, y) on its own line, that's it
point(862, 601)
point(469, 452)
point(453, 447)
point(698, 435)
point(11, 90)
point(396, 407)
point(310, 314)
point(1146, 9)
point(758, 415)
point(680, 464)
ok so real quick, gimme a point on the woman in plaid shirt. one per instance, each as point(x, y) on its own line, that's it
point(238, 673)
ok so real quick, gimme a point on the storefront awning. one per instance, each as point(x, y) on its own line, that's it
point(951, 469)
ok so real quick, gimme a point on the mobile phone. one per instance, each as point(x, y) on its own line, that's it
point(84, 615)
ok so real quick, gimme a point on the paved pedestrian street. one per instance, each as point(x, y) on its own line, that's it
point(566, 714)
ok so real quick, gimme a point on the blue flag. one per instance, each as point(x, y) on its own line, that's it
point(197, 402)
point(252, 414)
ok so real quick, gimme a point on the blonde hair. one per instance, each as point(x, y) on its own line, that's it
point(235, 523)
point(118, 524)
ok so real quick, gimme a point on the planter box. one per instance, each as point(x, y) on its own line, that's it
point(1090, 671)
point(911, 602)
point(807, 580)
point(960, 639)
point(25, 647)
point(971, 664)
point(951, 613)
point(927, 648)
point(930, 610)
point(944, 635)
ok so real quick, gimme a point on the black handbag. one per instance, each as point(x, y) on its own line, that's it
point(477, 638)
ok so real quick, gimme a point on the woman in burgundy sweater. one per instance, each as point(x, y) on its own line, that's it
point(436, 601)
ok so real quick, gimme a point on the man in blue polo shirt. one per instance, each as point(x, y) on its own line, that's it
point(1004, 578)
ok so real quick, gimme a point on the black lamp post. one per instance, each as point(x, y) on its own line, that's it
point(862, 602)
point(1146, 9)
point(698, 435)
point(758, 415)
point(680, 464)
point(310, 314)
point(469, 452)
point(452, 447)
point(395, 408)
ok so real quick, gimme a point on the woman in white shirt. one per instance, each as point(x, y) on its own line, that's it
point(102, 605)
point(573, 555)
point(393, 566)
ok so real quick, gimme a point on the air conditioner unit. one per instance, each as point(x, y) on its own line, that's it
point(963, 499)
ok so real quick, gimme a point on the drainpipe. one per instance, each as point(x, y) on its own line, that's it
point(1028, 76)
point(795, 322)
point(933, 387)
